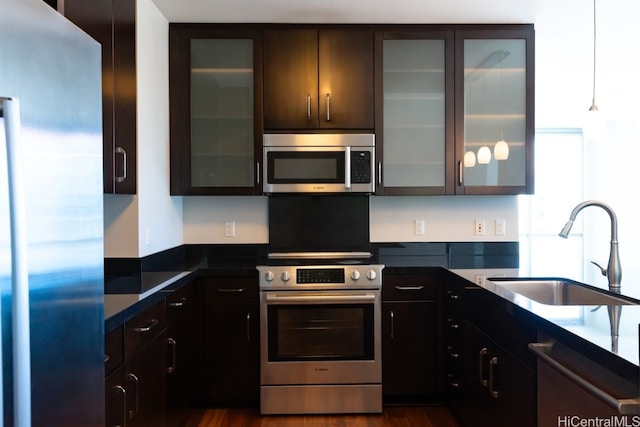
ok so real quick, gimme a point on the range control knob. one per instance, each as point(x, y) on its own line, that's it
point(371, 275)
point(285, 276)
point(269, 276)
point(355, 275)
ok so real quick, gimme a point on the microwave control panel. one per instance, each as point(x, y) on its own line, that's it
point(360, 167)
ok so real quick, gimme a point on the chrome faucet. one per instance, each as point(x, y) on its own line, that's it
point(613, 272)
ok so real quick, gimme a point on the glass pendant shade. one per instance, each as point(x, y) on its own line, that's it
point(501, 150)
point(484, 155)
point(469, 159)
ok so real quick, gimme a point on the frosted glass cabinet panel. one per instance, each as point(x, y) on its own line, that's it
point(497, 117)
point(414, 114)
point(215, 92)
point(222, 144)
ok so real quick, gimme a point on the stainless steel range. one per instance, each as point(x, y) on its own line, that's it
point(320, 349)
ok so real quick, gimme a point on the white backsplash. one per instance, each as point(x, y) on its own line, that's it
point(447, 219)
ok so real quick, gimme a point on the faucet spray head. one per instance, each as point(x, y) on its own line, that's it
point(566, 229)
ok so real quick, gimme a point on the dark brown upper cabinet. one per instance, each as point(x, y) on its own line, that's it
point(215, 93)
point(113, 24)
point(318, 78)
point(455, 109)
point(414, 112)
point(494, 109)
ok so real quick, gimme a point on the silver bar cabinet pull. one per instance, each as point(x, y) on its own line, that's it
point(483, 352)
point(258, 172)
point(119, 388)
point(460, 173)
point(379, 174)
point(328, 107)
point(134, 379)
point(123, 153)
point(172, 343)
point(147, 328)
point(308, 106)
point(409, 288)
point(230, 290)
point(249, 326)
point(180, 303)
point(492, 391)
point(391, 315)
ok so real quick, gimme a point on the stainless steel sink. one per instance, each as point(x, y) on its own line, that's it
point(558, 291)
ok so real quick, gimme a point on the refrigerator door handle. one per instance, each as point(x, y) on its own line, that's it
point(19, 272)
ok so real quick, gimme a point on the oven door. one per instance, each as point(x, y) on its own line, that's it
point(320, 337)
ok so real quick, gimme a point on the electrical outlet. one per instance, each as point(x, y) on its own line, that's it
point(480, 279)
point(419, 227)
point(479, 227)
point(230, 229)
point(501, 227)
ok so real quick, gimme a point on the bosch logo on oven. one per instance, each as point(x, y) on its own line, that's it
point(322, 369)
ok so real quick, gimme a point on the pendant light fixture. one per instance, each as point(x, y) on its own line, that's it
point(501, 150)
point(484, 155)
point(469, 159)
point(594, 127)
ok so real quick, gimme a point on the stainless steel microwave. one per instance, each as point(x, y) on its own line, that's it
point(318, 163)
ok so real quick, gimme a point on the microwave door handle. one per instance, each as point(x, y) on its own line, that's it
point(347, 168)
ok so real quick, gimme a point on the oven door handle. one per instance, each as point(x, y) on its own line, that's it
point(319, 298)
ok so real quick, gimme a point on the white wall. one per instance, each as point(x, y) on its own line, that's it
point(392, 219)
point(151, 220)
point(447, 218)
point(160, 216)
point(204, 219)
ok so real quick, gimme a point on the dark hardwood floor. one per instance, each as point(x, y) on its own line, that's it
point(411, 416)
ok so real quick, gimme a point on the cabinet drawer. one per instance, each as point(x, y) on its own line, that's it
point(409, 288)
point(229, 289)
point(180, 301)
point(141, 329)
point(113, 349)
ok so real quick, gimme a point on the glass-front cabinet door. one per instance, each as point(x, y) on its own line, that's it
point(414, 127)
point(214, 119)
point(494, 112)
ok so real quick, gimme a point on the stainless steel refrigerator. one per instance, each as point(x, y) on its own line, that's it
point(51, 220)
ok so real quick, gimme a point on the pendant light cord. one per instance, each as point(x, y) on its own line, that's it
point(594, 107)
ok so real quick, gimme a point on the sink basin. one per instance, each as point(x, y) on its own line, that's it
point(557, 291)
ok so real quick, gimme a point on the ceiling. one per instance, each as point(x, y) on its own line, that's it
point(353, 11)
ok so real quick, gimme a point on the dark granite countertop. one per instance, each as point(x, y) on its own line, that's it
point(592, 325)
point(466, 259)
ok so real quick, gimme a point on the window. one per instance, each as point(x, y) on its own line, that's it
point(559, 172)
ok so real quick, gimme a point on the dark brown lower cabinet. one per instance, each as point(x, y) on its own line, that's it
point(501, 389)
point(409, 363)
point(182, 332)
point(135, 392)
point(409, 338)
point(230, 342)
point(489, 375)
